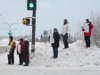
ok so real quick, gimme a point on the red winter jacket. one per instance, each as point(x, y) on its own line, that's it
point(22, 46)
point(90, 30)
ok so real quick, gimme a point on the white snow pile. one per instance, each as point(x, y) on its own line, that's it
point(75, 56)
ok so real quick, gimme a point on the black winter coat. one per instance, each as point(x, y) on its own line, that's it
point(26, 52)
point(56, 38)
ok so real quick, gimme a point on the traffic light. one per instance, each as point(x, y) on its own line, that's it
point(31, 4)
point(26, 21)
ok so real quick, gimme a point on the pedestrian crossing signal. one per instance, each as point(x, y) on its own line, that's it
point(26, 21)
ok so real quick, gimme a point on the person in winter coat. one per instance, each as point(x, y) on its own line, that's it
point(20, 51)
point(87, 29)
point(65, 31)
point(26, 53)
point(55, 45)
point(12, 46)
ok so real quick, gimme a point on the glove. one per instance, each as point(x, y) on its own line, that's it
point(83, 29)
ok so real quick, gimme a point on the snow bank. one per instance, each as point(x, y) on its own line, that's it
point(74, 57)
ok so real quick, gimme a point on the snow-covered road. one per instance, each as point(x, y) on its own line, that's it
point(20, 70)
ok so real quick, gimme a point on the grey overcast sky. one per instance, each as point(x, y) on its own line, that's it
point(50, 14)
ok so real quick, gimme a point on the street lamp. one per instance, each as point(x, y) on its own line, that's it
point(10, 29)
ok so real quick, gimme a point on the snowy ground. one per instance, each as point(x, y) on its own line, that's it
point(3, 44)
point(76, 60)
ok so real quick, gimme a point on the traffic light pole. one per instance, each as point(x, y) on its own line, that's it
point(33, 30)
point(31, 5)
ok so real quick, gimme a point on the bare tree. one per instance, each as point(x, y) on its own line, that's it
point(96, 32)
